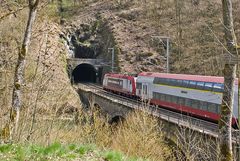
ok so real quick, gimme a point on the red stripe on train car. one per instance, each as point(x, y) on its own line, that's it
point(196, 112)
point(186, 109)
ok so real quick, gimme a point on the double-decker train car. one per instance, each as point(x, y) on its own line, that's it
point(197, 95)
point(120, 84)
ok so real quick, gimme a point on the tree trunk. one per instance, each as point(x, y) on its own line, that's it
point(178, 6)
point(229, 72)
point(20, 68)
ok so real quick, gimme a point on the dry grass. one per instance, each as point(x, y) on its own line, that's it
point(141, 135)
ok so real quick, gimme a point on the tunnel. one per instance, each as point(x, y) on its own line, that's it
point(84, 73)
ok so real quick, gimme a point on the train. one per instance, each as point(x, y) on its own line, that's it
point(196, 95)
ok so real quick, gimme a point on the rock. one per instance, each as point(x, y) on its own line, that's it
point(67, 108)
point(153, 61)
point(138, 58)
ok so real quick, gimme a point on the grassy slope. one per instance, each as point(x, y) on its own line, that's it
point(57, 151)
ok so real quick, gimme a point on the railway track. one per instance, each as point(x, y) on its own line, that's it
point(196, 124)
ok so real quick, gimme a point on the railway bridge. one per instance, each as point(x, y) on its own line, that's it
point(118, 107)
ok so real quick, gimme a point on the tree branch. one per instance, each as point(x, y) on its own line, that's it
point(12, 12)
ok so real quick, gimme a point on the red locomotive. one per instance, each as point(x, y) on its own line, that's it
point(120, 84)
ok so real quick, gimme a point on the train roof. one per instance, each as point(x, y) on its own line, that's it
point(200, 78)
point(114, 75)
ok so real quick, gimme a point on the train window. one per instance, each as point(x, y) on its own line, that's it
point(174, 82)
point(188, 102)
point(163, 80)
point(162, 97)
point(139, 85)
point(157, 96)
point(208, 86)
point(174, 99)
point(203, 105)
point(185, 83)
point(218, 87)
point(166, 81)
point(179, 83)
point(171, 82)
point(212, 107)
point(145, 89)
point(160, 81)
point(168, 98)
point(195, 104)
point(156, 81)
point(192, 84)
point(181, 101)
point(200, 85)
point(121, 82)
point(154, 95)
point(218, 109)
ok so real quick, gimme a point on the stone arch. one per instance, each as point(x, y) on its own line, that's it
point(116, 119)
point(97, 107)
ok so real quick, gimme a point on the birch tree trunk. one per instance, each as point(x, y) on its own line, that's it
point(20, 68)
point(229, 72)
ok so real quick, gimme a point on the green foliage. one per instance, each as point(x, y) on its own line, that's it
point(52, 148)
point(37, 150)
point(5, 148)
point(58, 151)
point(72, 147)
point(84, 149)
point(118, 156)
point(113, 156)
point(20, 153)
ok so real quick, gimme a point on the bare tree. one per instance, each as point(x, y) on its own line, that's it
point(20, 67)
point(178, 7)
point(229, 72)
point(195, 146)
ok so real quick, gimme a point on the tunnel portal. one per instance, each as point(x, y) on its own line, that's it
point(84, 73)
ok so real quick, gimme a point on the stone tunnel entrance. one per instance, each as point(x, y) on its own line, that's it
point(88, 51)
point(84, 73)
